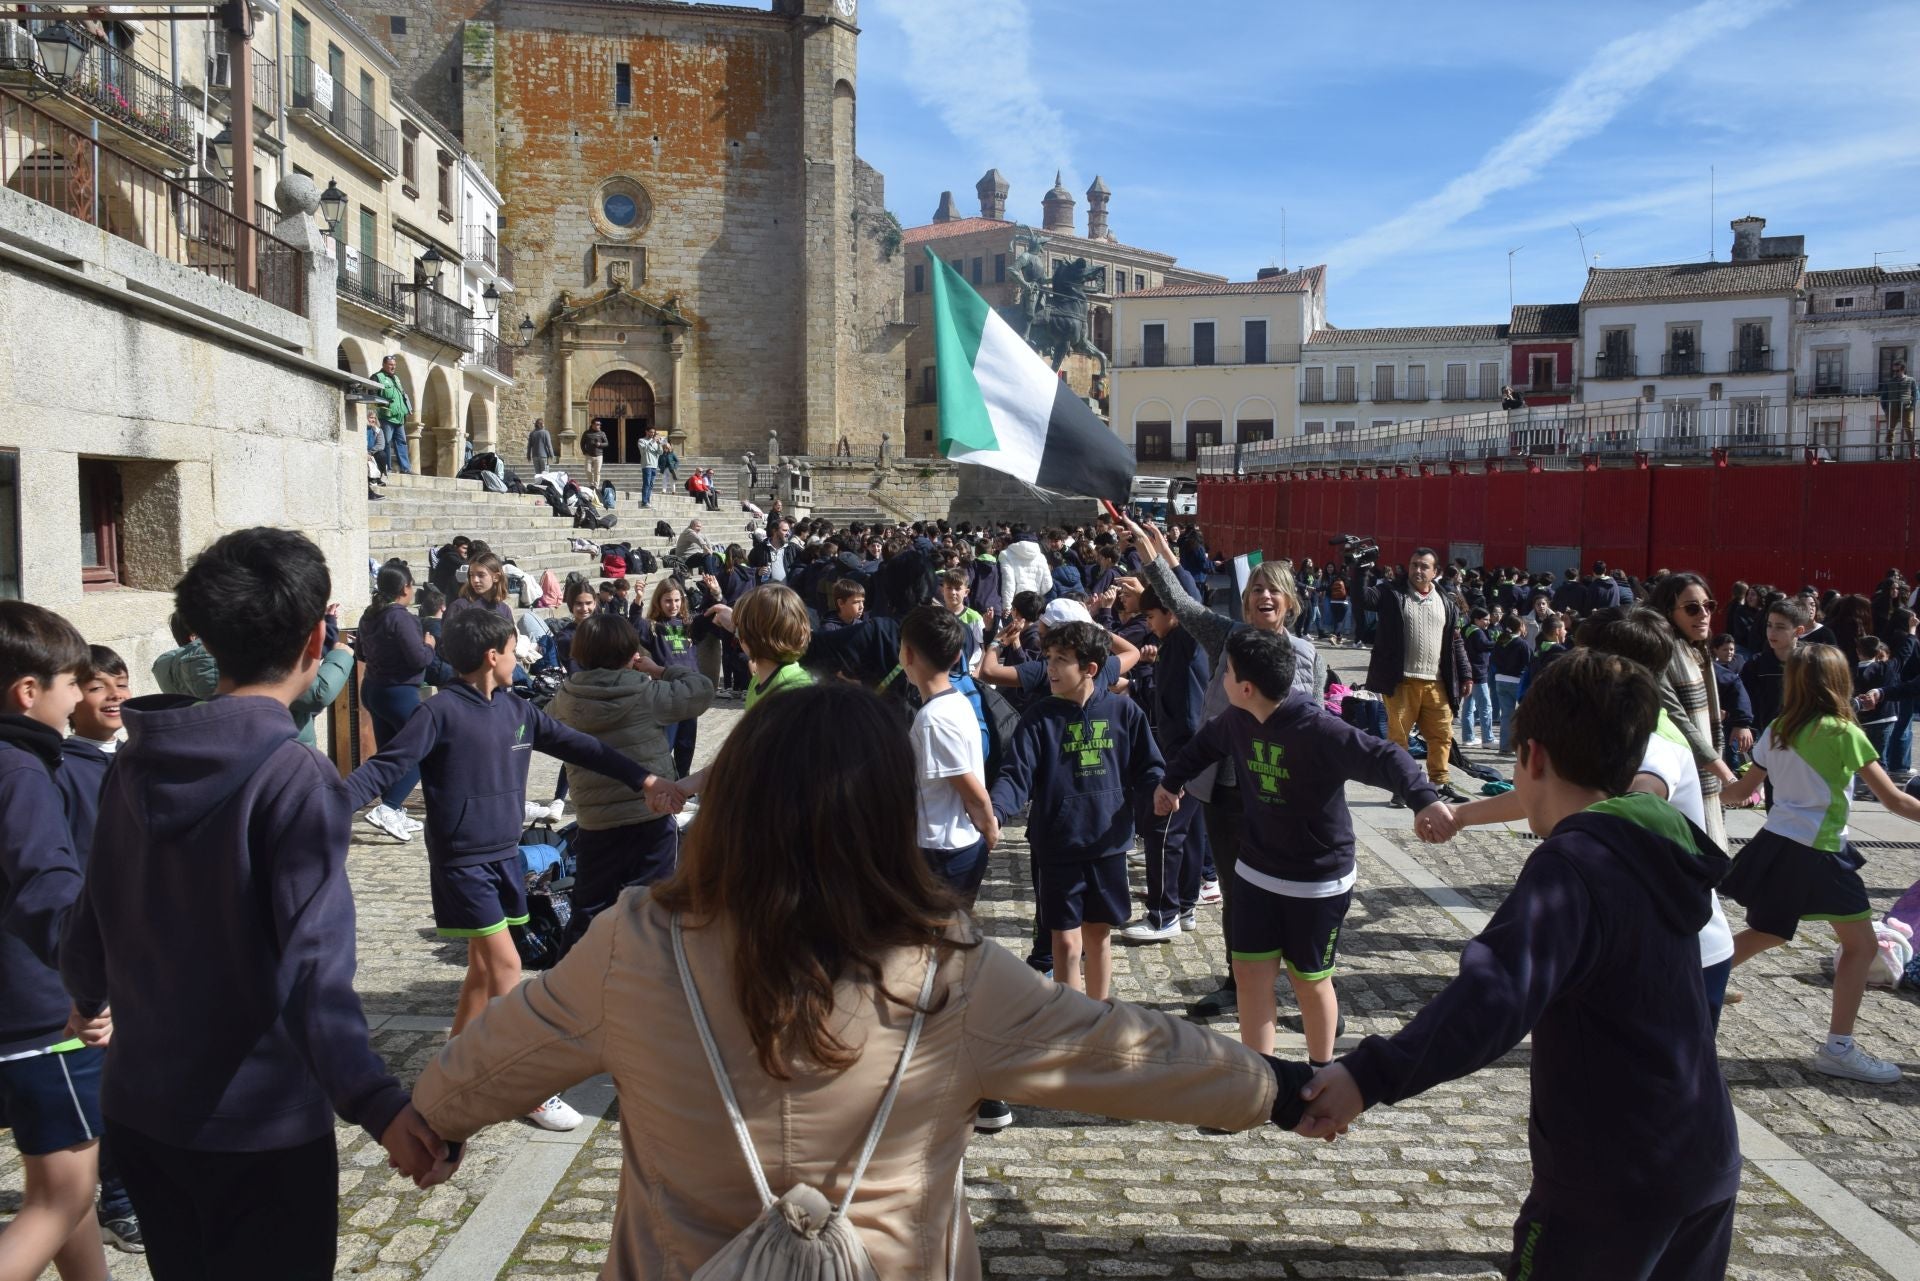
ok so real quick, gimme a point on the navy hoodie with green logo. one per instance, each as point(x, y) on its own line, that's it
point(1081, 766)
point(473, 753)
point(1293, 770)
point(1596, 952)
point(218, 921)
point(39, 882)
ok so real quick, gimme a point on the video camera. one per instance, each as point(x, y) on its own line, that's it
point(1356, 552)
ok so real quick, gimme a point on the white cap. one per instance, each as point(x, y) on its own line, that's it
point(1064, 611)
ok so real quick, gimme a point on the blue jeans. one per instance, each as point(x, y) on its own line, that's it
point(390, 706)
point(397, 459)
point(646, 485)
point(1478, 713)
point(1899, 754)
point(1506, 696)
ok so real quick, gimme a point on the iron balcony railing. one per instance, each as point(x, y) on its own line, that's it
point(266, 84)
point(347, 114)
point(1680, 364)
point(440, 317)
point(1171, 357)
point(49, 161)
point(1751, 362)
point(1616, 365)
point(361, 278)
point(112, 83)
point(1855, 385)
point(487, 246)
point(488, 351)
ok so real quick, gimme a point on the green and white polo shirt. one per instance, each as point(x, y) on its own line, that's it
point(1813, 780)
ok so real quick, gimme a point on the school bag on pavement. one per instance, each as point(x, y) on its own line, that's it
point(662, 530)
point(541, 942)
point(802, 1236)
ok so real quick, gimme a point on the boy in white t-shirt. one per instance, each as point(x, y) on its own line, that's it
point(1666, 770)
point(957, 827)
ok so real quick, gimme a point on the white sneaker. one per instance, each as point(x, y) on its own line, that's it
point(1856, 1065)
point(556, 811)
point(389, 821)
point(414, 825)
point(1189, 921)
point(1210, 892)
point(1146, 932)
point(535, 812)
point(554, 1114)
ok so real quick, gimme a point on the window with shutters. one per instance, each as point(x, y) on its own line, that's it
point(1829, 370)
point(1153, 442)
point(1203, 342)
point(1542, 371)
point(1416, 382)
point(1343, 424)
point(929, 386)
point(999, 269)
point(919, 277)
point(1249, 430)
point(1315, 427)
point(410, 158)
point(1254, 333)
point(1896, 300)
point(979, 265)
point(1201, 436)
point(1153, 345)
point(1383, 382)
point(1315, 390)
point(1343, 384)
point(1489, 380)
point(1456, 382)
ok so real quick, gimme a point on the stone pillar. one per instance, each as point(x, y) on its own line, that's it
point(676, 433)
point(416, 443)
point(564, 436)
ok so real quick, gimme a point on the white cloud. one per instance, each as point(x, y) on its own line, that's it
point(971, 63)
point(1584, 106)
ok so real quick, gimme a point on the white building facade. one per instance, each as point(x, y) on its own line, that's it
point(1354, 378)
point(1850, 329)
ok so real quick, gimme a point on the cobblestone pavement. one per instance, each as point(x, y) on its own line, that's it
point(1425, 1190)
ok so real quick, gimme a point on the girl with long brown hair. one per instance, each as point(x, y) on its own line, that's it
point(809, 920)
point(1802, 867)
point(485, 588)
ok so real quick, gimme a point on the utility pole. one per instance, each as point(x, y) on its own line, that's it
point(1510, 253)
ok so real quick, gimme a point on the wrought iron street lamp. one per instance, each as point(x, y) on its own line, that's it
point(61, 52)
point(333, 208)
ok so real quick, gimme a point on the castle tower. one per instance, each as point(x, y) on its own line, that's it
point(1097, 197)
point(993, 194)
point(825, 43)
point(1057, 208)
point(947, 211)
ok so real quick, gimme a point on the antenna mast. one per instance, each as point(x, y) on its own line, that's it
point(1713, 218)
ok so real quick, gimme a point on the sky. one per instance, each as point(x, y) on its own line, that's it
point(1412, 145)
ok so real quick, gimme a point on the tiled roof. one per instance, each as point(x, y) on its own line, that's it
point(958, 227)
point(1305, 280)
point(1694, 280)
point(1436, 335)
point(1855, 277)
point(1545, 320)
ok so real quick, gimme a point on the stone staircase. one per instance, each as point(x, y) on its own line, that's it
point(421, 513)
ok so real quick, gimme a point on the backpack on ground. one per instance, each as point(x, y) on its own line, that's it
point(662, 530)
point(492, 483)
point(802, 1234)
point(549, 589)
point(642, 561)
point(548, 866)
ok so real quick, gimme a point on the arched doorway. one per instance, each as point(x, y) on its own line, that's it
point(622, 403)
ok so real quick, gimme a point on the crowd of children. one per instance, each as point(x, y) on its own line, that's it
point(176, 898)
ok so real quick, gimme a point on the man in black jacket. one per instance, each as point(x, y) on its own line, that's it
point(1419, 663)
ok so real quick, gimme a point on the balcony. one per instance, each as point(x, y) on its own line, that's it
point(1546, 389)
point(317, 98)
point(1835, 388)
point(50, 161)
point(1462, 392)
point(364, 281)
point(1680, 364)
point(1616, 364)
point(439, 317)
point(141, 109)
point(1169, 357)
point(489, 352)
point(1758, 361)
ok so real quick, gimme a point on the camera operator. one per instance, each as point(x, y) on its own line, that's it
point(1419, 663)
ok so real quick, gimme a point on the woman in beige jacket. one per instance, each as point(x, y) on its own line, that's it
point(809, 918)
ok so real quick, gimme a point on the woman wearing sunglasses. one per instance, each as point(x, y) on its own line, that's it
point(1687, 688)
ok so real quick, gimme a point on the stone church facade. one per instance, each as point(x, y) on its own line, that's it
point(696, 242)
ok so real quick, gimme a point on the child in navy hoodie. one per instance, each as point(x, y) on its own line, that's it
point(49, 1078)
point(472, 743)
point(1082, 756)
point(1296, 867)
point(1596, 953)
point(217, 915)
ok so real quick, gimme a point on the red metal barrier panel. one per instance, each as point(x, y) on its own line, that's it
point(1761, 529)
point(1266, 507)
point(1506, 540)
point(1436, 508)
point(1369, 511)
point(1613, 522)
point(1283, 518)
point(1682, 528)
point(1555, 503)
point(1858, 525)
point(1400, 515)
point(1467, 508)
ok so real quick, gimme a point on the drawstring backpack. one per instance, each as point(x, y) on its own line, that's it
point(802, 1236)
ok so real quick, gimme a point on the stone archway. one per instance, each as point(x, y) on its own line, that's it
point(622, 402)
point(480, 433)
point(439, 429)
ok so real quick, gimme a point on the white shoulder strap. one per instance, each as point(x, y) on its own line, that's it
point(733, 1105)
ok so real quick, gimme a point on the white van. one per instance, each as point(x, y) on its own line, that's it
point(1158, 497)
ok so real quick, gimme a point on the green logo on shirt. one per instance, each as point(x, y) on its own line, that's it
point(1086, 740)
point(1266, 767)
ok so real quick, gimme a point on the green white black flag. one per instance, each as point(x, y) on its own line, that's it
point(1002, 406)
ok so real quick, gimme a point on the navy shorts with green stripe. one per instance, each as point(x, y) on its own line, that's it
point(1782, 883)
point(480, 899)
point(52, 1100)
point(1302, 932)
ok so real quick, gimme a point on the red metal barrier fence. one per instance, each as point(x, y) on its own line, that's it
point(1839, 525)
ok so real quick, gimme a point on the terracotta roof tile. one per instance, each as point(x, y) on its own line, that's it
point(1694, 280)
point(1305, 280)
point(1855, 277)
point(958, 227)
point(1545, 320)
point(1437, 335)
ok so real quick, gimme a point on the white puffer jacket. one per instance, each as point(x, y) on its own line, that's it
point(1023, 568)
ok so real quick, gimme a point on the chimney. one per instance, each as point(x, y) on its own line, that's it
point(1746, 237)
point(1097, 197)
point(946, 212)
point(1056, 209)
point(1268, 273)
point(993, 195)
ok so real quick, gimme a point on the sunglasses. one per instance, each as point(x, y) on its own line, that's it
point(1696, 609)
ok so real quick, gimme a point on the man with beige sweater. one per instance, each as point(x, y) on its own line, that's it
point(1419, 664)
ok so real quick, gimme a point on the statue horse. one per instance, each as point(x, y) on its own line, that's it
point(1060, 326)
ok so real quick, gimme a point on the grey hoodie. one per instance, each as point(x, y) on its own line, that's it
point(630, 712)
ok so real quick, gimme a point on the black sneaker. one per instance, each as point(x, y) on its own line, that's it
point(1396, 802)
point(992, 1116)
point(123, 1234)
point(1453, 795)
point(1297, 1024)
point(1215, 1003)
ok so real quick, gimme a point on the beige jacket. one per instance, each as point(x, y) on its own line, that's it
point(1001, 1031)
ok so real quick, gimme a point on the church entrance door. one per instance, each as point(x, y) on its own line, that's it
point(622, 403)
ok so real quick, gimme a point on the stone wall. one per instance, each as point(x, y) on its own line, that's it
point(206, 400)
point(984, 495)
point(872, 391)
